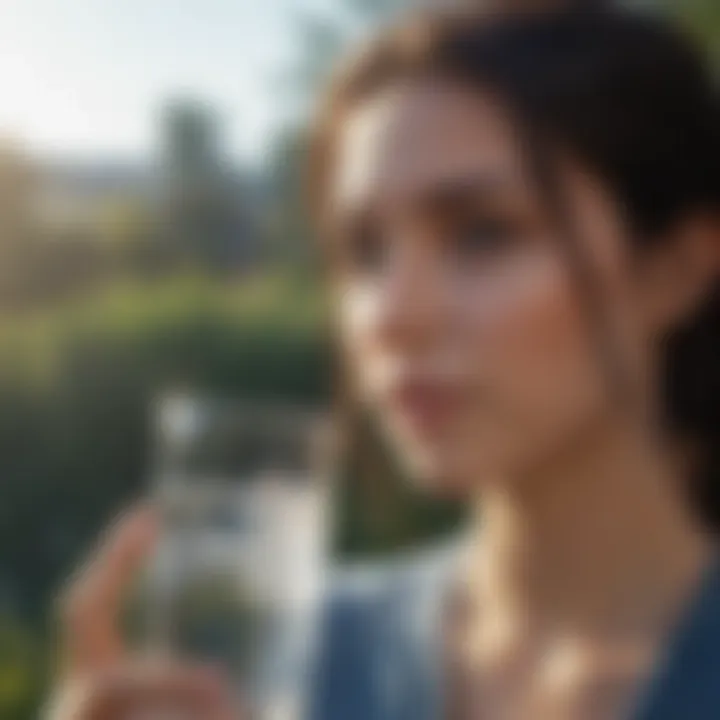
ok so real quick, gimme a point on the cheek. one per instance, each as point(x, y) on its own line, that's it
point(357, 312)
point(530, 339)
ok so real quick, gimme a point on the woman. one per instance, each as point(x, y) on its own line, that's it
point(522, 220)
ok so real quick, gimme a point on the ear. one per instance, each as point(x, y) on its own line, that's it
point(677, 276)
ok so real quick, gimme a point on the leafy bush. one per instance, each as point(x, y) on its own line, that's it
point(21, 670)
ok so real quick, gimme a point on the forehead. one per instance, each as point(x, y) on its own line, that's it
point(396, 146)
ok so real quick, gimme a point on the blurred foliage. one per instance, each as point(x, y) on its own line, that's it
point(21, 670)
point(325, 35)
point(702, 18)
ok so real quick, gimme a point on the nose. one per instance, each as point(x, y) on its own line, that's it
point(410, 303)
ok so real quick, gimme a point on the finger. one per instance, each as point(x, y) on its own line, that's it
point(93, 604)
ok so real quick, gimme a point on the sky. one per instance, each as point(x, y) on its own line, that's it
point(86, 78)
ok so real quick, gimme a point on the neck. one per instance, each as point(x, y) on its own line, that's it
point(600, 538)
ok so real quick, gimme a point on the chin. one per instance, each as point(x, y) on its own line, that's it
point(440, 475)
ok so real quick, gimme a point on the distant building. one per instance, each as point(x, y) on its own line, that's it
point(18, 185)
point(77, 195)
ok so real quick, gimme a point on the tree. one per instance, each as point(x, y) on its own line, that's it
point(203, 205)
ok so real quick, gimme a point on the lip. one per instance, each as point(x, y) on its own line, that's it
point(426, 404)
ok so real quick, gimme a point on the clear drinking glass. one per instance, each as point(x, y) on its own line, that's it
point(244, 496)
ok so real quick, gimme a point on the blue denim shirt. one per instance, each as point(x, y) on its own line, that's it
point(380, 656)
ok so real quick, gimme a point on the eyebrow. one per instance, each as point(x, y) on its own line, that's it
point(449, 194)
point(444, 196)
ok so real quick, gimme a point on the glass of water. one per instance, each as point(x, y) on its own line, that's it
point(244, 497)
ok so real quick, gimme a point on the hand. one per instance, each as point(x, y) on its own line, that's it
point(100, 680)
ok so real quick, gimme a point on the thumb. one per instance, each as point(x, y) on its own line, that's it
point(92, 607)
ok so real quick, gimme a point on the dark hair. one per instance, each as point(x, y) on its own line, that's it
point(626, 95)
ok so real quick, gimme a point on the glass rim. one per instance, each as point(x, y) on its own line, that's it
point(184, 422)
point(216, 404)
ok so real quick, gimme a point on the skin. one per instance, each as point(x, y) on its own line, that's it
point(466, 334)
point(462, 325)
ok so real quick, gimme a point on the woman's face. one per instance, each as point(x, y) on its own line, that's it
point(460, 315)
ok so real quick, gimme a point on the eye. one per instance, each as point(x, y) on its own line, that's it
point(365, 249)
point(482, 236)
